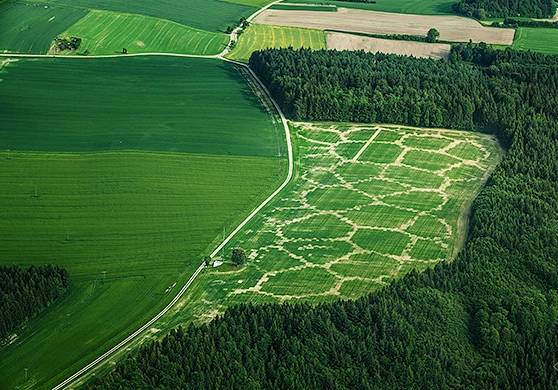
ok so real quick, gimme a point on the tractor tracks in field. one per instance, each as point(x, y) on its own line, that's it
point(267, 101)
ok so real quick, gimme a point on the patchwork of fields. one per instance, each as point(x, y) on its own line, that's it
point(451, 28)
point(369, 204)
point(260, 36)
point(125, 172)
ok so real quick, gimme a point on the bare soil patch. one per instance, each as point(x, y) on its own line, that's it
point(342, 41)
point(451, 28)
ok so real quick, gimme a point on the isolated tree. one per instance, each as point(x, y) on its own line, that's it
point(124, 51)
point(207, 261)
point(238, 256)
point(432, 35)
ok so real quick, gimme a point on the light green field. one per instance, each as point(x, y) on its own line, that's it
point(31, 28)
point(105, 32)
point(91, 183)
point(260, 36)
point(422, 7)
point(543, 40)
point(367, 206)
point(305, 7)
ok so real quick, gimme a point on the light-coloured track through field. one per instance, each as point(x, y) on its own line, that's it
point(451, 28)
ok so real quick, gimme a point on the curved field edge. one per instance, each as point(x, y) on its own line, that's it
point(293, 256)
point(106, 32)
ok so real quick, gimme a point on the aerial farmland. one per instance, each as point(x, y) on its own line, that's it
point(276, 194)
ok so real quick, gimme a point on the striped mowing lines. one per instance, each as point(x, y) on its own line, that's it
point(105, 32)
point(259, 37)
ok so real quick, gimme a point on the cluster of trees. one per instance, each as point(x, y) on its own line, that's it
point(481, 9)
point(488, 319)
point(67, 43)
point(26, 292)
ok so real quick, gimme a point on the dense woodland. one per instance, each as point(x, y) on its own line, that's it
point(489, 319)
point(501, 8)
point(26, 292)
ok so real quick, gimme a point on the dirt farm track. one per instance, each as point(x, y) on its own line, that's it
point(451, 28)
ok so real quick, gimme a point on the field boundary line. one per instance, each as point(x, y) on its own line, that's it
point(366, 145)
point(101, 359)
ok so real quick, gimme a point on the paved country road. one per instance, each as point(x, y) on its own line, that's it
point(221, 56)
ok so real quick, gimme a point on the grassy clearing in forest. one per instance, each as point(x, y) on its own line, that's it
point(369, 204)
point(259, 37)
point(105, 32)
point(543, 40)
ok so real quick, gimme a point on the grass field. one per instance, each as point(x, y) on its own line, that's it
point(31, 28)
point(138, 103)
point(105, 32)
point(543, 40)
point(369, 204)
point(305, 7)
point(210, 15)
point(259, 37)
point(423, 7)
point(95, 184)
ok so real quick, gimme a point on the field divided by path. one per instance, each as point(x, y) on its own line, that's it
point(451, 28)
point(259, 37)
point(543, 40)
point(369, 203)
point(104, 32)
point(126, 172)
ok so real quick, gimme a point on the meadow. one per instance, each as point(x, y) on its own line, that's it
point(210, 15)
point(426, 7)
point(31, 28)
point(369, 203)
point(134, 103)
point(259, 37)
point(105, 32)
point(543, 40)
point(128, 176)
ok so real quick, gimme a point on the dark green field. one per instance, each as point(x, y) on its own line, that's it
point(211, 15)
point(30, 27)
point(422, 7)
point(138, 103)
point(130, 226)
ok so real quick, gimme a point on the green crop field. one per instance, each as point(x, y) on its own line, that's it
point(369, 204)
point(210, 15)
point(31, 28)
point(139, 103)
point(125, 172)
point(426, 7)
point(544, 40)
point(261, 36)
point(105, 32)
